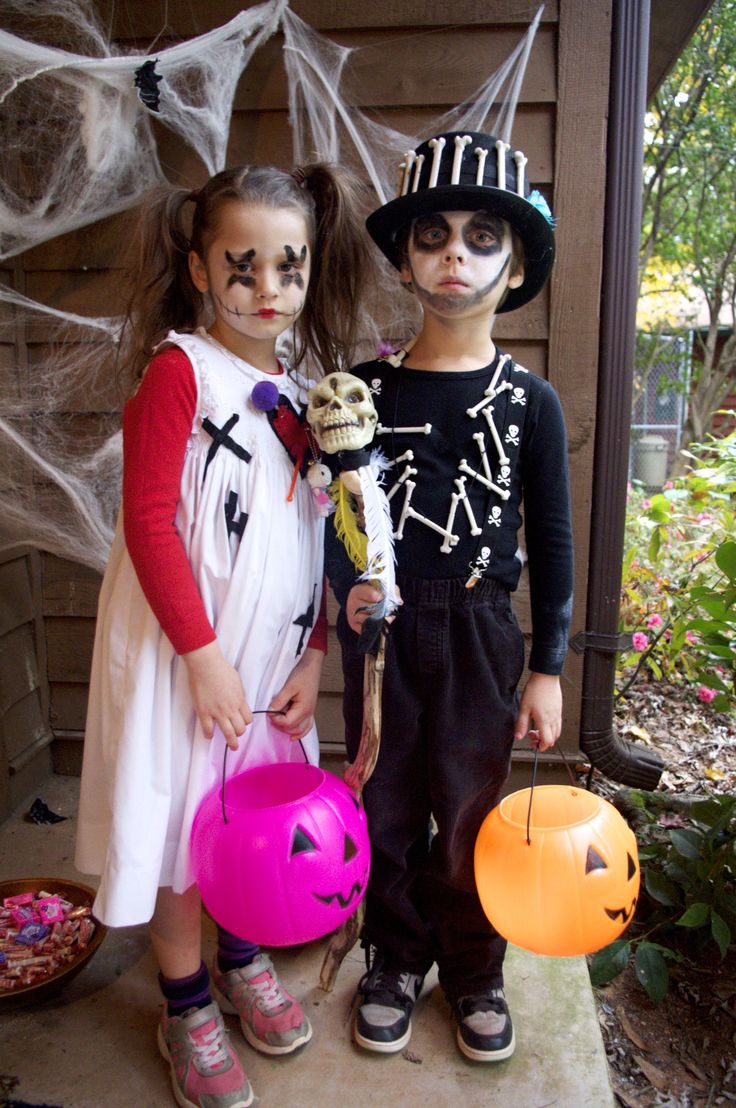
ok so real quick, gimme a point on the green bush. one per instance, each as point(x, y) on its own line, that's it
point(687, 910)
point(679, 578)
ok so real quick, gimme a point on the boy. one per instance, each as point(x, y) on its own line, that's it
point(467, 432)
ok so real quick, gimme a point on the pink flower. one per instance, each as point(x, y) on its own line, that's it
point(646, 504)
point(706, 695)
point(639, 641)
point(655, 621)
point(691, 637)
point(669, 484)
point(704, 517)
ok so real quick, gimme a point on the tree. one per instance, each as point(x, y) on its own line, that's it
point(688, 242)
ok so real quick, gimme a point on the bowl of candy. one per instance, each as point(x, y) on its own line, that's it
point(47, 935)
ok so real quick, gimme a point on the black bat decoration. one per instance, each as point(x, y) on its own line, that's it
point(146, 81)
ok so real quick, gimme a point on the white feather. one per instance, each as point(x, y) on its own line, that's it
point(381, 565)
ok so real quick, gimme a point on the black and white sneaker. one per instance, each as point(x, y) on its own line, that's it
point(485, 1032)
point(383, 1017)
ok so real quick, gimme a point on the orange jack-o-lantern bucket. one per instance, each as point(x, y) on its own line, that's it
point(561, 878)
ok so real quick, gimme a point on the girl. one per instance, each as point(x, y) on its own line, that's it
point(207, 610)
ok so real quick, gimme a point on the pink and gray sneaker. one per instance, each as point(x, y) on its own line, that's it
point(205, 1070)
point(271, 1019)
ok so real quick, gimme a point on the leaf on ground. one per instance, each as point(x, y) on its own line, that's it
point(653, 1075)
point(638, 732)
point(632, 1033)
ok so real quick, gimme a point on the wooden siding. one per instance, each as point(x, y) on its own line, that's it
point(25, 734)
point(410, 65)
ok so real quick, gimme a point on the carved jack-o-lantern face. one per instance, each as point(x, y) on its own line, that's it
point(573, 888)
point(291, 863)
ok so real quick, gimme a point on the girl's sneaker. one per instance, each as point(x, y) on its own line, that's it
point(205, 1070)
point(272, 1020)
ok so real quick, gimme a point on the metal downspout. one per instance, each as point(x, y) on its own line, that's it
point(616, 758)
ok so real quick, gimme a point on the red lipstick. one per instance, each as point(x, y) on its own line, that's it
point(266, 313)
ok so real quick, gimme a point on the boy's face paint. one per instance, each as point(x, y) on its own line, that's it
point(459, 263)
point(256, 270)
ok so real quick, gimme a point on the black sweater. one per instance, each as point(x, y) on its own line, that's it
point(447, 454)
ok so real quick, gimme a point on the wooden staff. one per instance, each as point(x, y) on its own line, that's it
point(356, 775)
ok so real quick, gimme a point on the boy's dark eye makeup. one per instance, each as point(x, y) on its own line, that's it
point(482, 234)
point(430, 232)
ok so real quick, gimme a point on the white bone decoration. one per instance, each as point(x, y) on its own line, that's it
point(492, 455)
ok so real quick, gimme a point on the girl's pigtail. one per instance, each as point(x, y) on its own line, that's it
point(161, 294)
point(341, 263)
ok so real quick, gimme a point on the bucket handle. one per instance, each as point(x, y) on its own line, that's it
point(570, 774)
point(255, 712)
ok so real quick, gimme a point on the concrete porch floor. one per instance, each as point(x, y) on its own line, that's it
point(93, 1045)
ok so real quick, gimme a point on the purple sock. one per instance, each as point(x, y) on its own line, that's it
point(232, 952)
point(183, 993)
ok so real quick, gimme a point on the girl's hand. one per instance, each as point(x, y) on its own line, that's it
point(217, 693)
point(297, 700)
point(541, 702)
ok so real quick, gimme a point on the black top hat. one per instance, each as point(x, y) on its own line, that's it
point(470, 171)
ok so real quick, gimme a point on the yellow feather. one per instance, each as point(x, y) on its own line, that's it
point(346, 525)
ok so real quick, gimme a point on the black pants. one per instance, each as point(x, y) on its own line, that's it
point(454, 658)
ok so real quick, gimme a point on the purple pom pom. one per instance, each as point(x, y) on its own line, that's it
point(265, 396)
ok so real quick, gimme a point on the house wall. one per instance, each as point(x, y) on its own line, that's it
point(561, 126)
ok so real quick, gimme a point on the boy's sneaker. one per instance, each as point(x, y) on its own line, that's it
point(205, 1070)
point(485, 1032)
point(387, 997)
point(271, 1019)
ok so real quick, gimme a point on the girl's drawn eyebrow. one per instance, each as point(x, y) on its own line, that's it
point(291, 255)
point(231, 259)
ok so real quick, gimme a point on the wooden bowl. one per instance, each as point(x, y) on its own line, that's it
point(75, 893)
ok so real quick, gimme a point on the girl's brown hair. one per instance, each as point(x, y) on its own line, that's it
point(163, 297)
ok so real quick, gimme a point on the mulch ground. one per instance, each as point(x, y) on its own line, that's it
point(682, 1053)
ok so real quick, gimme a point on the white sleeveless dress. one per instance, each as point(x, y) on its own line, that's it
point(147, 764)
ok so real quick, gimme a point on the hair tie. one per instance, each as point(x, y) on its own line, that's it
point(194, 196)
point(299, 176)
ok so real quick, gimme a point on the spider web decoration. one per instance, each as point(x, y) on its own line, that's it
point(60, 471)
point(77, 138)
point(79, 146)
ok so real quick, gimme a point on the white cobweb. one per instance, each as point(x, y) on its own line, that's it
point(79, 146)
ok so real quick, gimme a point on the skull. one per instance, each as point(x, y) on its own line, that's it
point(341, 413)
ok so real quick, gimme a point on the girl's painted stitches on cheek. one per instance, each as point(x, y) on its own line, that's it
point(246, 279)
point(290, 275)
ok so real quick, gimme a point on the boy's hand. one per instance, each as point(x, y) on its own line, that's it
point(541, 702)
point(217, 693)
point(363, 595)
point(297, 700)
point(360, 596)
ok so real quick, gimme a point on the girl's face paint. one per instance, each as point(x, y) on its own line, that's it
point(256, 270)
point(458, 263)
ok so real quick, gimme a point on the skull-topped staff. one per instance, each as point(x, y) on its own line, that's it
point(343, 420)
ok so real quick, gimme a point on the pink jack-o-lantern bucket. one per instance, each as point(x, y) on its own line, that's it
point(284, 857)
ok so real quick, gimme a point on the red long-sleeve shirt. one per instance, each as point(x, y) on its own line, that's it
point(157, 423)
